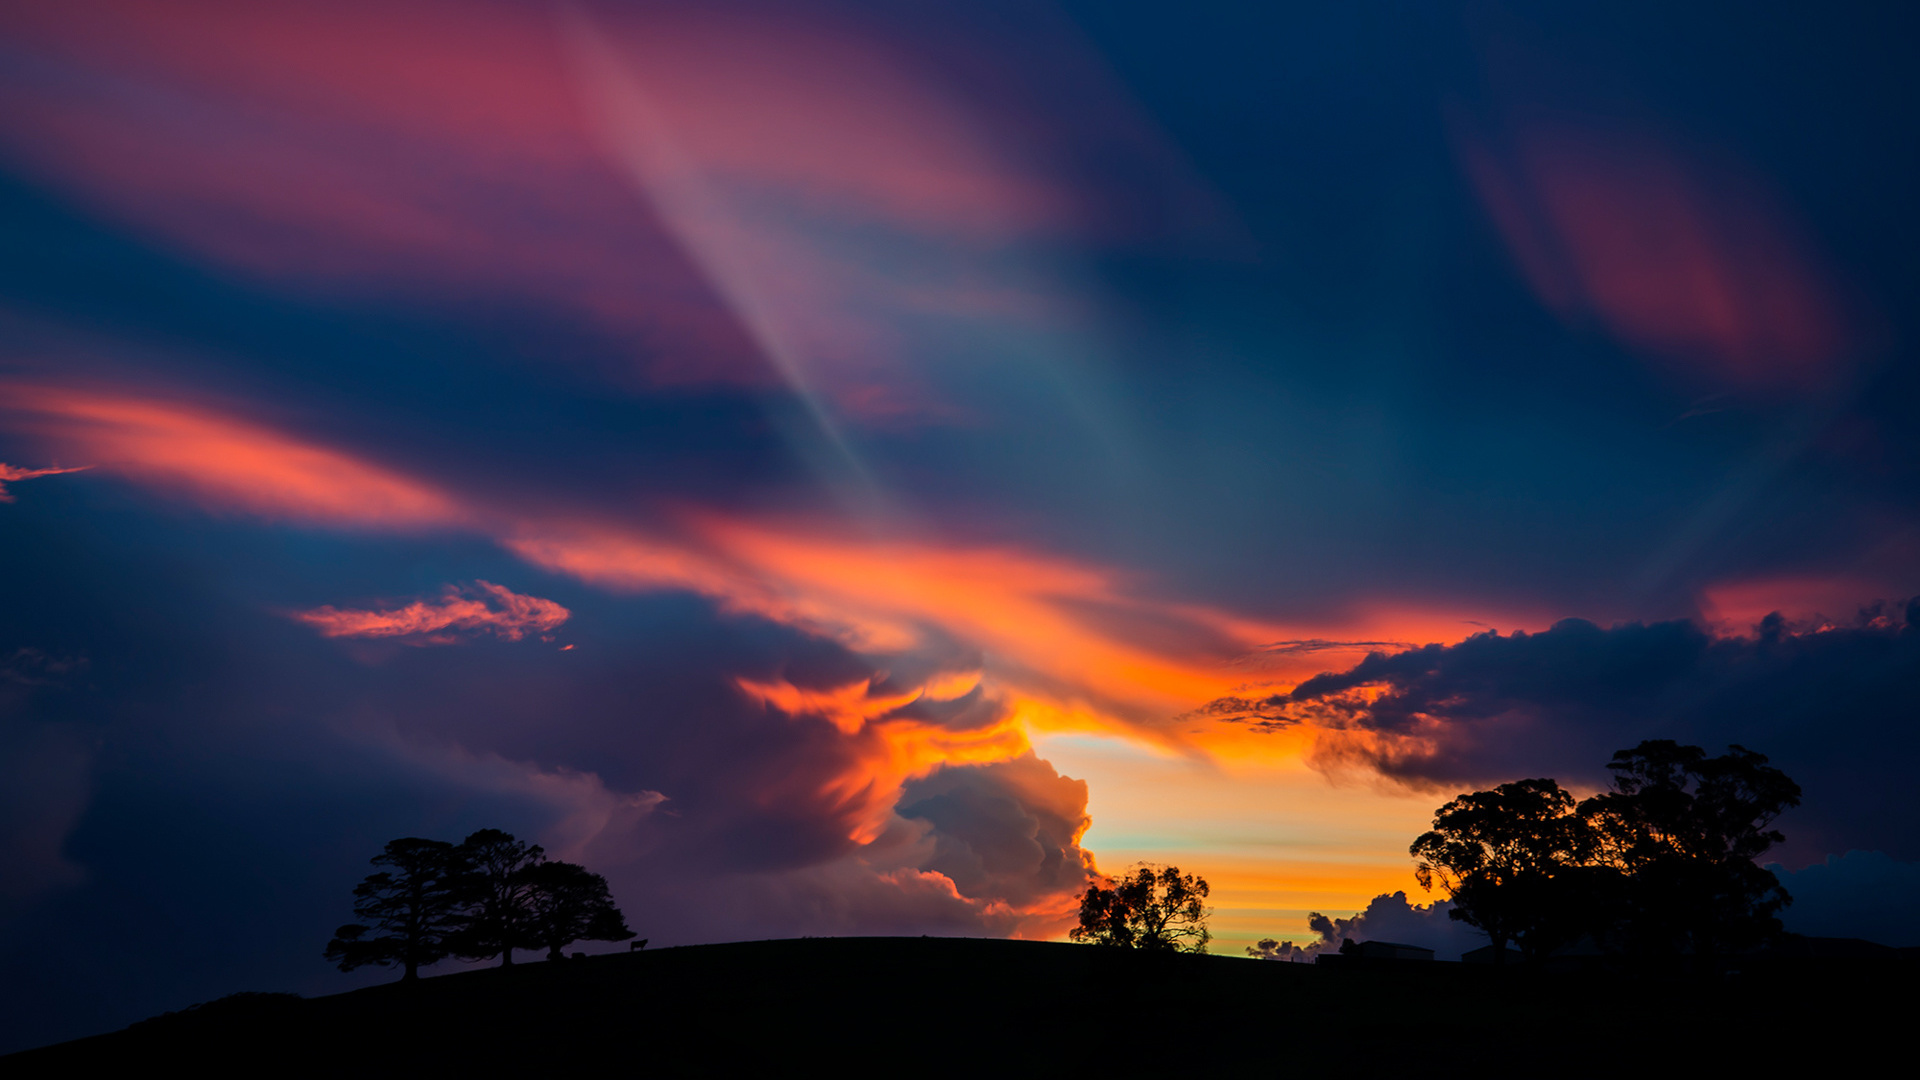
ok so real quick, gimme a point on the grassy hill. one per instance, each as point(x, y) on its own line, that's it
point(950, 1006)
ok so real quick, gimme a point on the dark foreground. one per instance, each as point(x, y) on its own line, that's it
point(948, 1006)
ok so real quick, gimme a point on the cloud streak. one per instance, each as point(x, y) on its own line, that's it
point(462, 612)
point(224, 463)
point(1670, 256)
point(10, 474)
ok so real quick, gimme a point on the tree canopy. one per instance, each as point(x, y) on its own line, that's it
point(498, 895)
point(1155, 908)
point(567, 903)
point(485, 897)
point(411, 909)
point(1665, 862)
point(1685, 831)
point(1510, 859)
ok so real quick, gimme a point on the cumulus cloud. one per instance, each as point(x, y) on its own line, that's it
point(1830, 703)
point(1392, 917)
point(1007, 832)
point(461, 612)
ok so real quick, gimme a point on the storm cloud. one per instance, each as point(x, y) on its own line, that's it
point(1832, 704)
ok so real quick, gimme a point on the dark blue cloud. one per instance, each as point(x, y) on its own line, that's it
point(1831, 705)
point(1862, 894)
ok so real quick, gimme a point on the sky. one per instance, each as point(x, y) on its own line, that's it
point(861, 468)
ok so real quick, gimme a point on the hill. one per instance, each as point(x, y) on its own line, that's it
point(948, 1006)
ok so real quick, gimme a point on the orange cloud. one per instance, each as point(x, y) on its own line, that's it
point(888, 746)
point(11, 473)
point(848, 707)
point(484, 608)
point(226, 464)
point(1062, 645)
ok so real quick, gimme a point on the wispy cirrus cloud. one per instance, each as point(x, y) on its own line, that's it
point(12, 473)
point(1076, 644)
point(1684, 259)
point(222, 462)
point(743, 198)
point(461, 612)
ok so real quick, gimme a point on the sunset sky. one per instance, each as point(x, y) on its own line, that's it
point(858, 468)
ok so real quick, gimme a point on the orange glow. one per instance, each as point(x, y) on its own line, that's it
point(227, 464)
point(1054, 649)
point(887, 750)
point(848, 707)
point(1068, 646)
point(487, 608)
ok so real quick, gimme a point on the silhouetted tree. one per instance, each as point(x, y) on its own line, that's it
point(409, 910)
point(497, 895)
point(1149, 908)
point(1513, 861)
point(1686, 831)
point(567, 903)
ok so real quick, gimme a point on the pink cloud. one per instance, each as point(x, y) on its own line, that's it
point(735, 197)
point(12, 473)
point(1684, 260)
point(1072, 645)
point(461, 612)
point(435, 150)
point(224, 463)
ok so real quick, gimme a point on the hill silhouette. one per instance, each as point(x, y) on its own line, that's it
point(951, 1006)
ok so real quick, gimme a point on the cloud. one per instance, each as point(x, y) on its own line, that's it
point(1829, 703)
point(34, 667)
point(1307, 646)
point(12, 473)
point(1070, 638)
point(462, 611)
point(46, 782)
point(1006, 833)
point(1668, 254)
point(225, 463)
point(1392, 917)
point(738, 198)
point(1862, 894)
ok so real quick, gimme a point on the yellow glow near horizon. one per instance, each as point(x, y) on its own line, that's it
point(1274, 839)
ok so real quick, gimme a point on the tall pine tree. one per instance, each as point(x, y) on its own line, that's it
point(410, 911)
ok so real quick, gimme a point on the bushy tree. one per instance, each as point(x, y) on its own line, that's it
point(486, 897)
point(567, 903)
point(497, 895)
point(1685, 833)
point(1155, 908)
point(1513, 861)
point(1666, 862)
point(410, 910)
